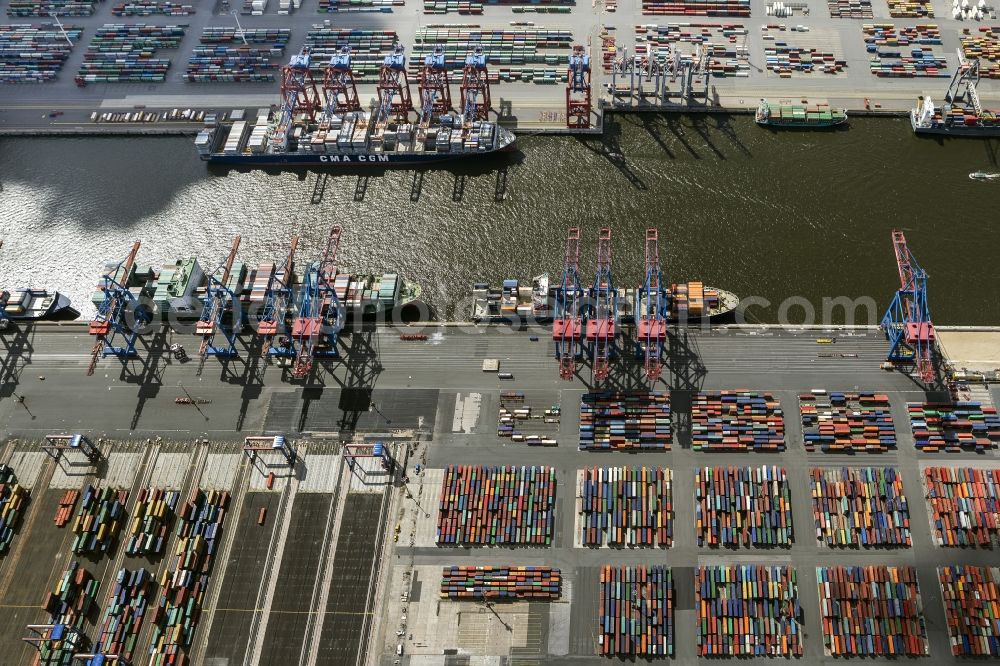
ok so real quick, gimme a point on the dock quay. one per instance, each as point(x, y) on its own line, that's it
point(645, 56)
point(324, 546)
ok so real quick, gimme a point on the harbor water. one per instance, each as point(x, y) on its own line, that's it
point(762, 213)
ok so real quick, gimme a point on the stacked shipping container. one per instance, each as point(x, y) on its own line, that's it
point(856, 9)
point(505, 583)
point(748, 610)
point(623, 421)
point(126, 53)
point(626, 506)
point(49, 8)
point(526, 54)
point(516, 416)
point(945, 426)
point(883, 42)
point(32, 53)
point(872, 611)
point(151, 7)
point(185, 581)
point(368, 48)
point(13, 502)
point(911, 9)
point(99, 519)
point(860, 507)
point(124, 615)
point(984, 47)
point(222, 55)
point(742, 506)
point(738, 420)
point(74, 595)
point(965, 505)
point(637, 612)
point(486, 506)
point(972, 609)
point(722, 44)
point(697, 7)
point(150, 526)
point(65, 509)
point(851, 422)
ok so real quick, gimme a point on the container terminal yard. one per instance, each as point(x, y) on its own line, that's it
point(377, 509)
point(151, 66)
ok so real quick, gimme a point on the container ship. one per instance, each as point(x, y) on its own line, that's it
point(333, 130)
point(689, 301)
point(798, 116)
point(962, 113)
point(35, 305)
point(177, 289)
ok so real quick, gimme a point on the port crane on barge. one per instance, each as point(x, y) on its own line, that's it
point(653, 310)
point(907, 322)
point(220, 300)
point(319, 314)
point(277, 297)
point(601, 327)
point(120, 315)
point(340, 93)
point(567, 324)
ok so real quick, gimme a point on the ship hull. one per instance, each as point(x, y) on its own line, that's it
point(801, 126)
point(975, 131)
point(59, 308)
point(379, 160)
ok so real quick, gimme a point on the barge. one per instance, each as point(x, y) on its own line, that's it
point(799, 116)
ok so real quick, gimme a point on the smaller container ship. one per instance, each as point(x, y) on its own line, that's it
point(962, 113)
point(35, 305)
point(689, 301)
point(799, 116)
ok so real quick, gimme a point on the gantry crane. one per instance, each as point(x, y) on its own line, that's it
point(567, 324)
point(119, 315)
point(907, 322)
point(277, 298)
point(220, 300)
point(4, 296)
point(578, 103)
point(319, 313)
point(601, 327)
point(298, 95)
point(435, 90)
point(394, 99)
point(340, 93)
point(653, 310)
point(476, 102)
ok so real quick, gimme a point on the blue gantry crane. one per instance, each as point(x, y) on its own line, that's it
point(602, 325)
point(274, 310)
point(120, 316)
point(567, 323)
point(221, 311)
point(907, 322)
point(319, 313)
point(652, 311)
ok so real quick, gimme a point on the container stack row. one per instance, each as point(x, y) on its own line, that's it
point(124, 615)
point(965, 505)
point(736, 421)
point(637, 612)
point(500, 582)
point(748, 610)
point(185, 581)
point(783, 58)
point(972, 609)
point(383, 6)
point(952, 427)
point(67, 504)
point(99, 519)
point(368, 48)
point(14, 500)
point(697, 7)
point(860, 506)
point(742, 507)
point(625, 421)
point(911, 9)
point(723, 44)
point(516, 417)
point(127, 53)
point(34, 53)
point(222, 55)
point(626, 506)
point(523, 54)
point(150, 526)
point(904, 52)
point(871, 611)
point(74, 595)
point(850, 9)
point(983, 45)
point(151, 8)
point(461, 7)
point(495, 505)
point(49, 8)
point(847, 422)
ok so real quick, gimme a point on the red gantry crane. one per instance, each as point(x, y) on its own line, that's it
point(435, 90)
point(119, 315)
point(654, 307)
point(394, 99)
point(220, 300)
point(476, 101)
point(340, 93)
point(277, 297)
point(320, 314)
point(601, 326)
point(567, 324)
point(907, 322)
point(578, 102)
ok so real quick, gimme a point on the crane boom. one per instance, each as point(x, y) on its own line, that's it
point(320, 314)
point(653, 309)
point(217, 297)
point(567, 327)
point(111, 314)
point(907, 322)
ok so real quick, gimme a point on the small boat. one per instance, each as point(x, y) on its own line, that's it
point(798, 116)
point(982, 175)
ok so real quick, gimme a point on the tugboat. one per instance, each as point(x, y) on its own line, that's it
point(982, 175)
point(798, 116)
